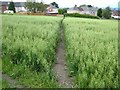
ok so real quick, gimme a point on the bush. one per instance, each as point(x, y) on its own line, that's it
point(62, 11)
point(82, 15)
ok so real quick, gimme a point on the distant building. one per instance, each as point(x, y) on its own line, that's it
point(83, 10)
point(19, 6)
point(115, 14)
point(51, 10)
point(74, 9)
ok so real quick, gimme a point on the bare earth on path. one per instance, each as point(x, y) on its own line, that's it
point(12, 83)
point(60, 67)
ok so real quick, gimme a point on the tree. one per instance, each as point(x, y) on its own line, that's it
point(62, 11)
point(89, 5)
point(55, 4)
point(99, 12)
point(36, 7)
point(106, 13)
point(12, 7)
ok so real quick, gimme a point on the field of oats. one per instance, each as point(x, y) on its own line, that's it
point(29, 48)
point(92, 52)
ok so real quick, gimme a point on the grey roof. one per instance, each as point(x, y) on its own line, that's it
point(52, 6)
point(5, 3)
point(116, 12)
point(86, 8)
point(17, 4)
point(81, 9)
point(75, 8)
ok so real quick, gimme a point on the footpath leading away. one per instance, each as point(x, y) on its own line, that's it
point(60, 67)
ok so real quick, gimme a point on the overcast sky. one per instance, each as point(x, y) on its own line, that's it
point(71, 3)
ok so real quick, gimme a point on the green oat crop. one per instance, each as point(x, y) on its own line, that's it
point(92, 52)
point(30, 42)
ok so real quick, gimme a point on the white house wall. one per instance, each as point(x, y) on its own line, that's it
point(53, 11)
point(18, 9)
point(24, 9)
point(72, 11)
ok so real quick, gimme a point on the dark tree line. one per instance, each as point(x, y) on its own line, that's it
point(11, 6)
point(104, 13)
point(36, 7)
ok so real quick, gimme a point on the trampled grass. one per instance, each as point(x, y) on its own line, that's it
point(92, 52)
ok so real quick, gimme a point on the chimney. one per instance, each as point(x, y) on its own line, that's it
point(75, 5)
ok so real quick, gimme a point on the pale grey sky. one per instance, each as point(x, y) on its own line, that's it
point(71, 3)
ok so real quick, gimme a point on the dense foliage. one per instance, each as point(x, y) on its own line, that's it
point(99, 12)
point(62, 11)
point(12, 7)
point(106, 13)
point(92, 52)
point(30, 42)
point(82, 15)
point(36, 7)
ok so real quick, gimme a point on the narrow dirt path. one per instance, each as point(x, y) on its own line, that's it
point(12, 83)
point(60, 67)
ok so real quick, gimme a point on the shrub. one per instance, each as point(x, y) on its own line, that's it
point(82, 15)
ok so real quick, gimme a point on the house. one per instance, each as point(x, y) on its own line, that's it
point(74, 9)
point(51, 10)
point(90, 10)
point(87, 9)
point(4, 6)
point(19, 6)
point(115, 14)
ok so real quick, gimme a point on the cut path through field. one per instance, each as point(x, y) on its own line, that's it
point(60, 68)
point(12, 83)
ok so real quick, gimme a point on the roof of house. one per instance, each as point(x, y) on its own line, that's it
point(5, 3)
point(87, 8)
point(51, 6)
point(75, 8)
point(83, 8)
point(17, 4)
point(116, 12)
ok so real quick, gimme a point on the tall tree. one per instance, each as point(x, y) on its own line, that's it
point(106, 13)
point(89, 5)
point(36, 7)
point(99, 12)
point(55, 4)
point(12, 6)
point(30, 6)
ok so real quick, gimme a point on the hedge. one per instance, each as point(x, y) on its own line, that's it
point(81, 15)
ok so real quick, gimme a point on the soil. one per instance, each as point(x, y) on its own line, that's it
point(60, 67)
point(11, 82)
